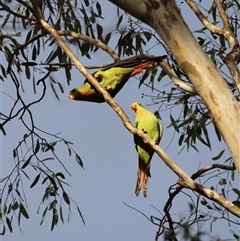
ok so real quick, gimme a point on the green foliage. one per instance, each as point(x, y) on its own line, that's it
point(54, 183)
point(81, 25)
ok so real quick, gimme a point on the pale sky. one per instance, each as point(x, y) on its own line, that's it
point(109, 157)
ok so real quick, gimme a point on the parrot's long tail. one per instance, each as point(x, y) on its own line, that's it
point(142, 180)
point(144, 65)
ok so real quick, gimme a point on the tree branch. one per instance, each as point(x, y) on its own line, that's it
point(165, 18)
point(177, 81)
point(7, 9)
point(92, 41)
point(226, 31)
point(231, 57)
point(185, 178)
point(210, 167)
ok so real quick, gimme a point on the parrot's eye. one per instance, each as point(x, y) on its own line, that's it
point(98, 78)
point(144, 131)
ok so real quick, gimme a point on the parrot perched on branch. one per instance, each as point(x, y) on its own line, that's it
point(151, 124)
point(112, 78)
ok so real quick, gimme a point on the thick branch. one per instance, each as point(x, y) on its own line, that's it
point(126, 122)
point(166, 19)
point(226, 31)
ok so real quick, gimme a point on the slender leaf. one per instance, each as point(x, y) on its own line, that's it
point(37, 147)
point(107, 38)
point(79, 160)
point(14, 153)
point(66, 198)
point(144, 77)
point(99, 30)
point(237, 203)
point(86, 3)
point(60, 175)
point(54, 91)
point(26, 162)
point(43, 215)
point(213, 220)
point(218, 156)
point(174, 123)
point(3, 130)
point(80, 214)
point(6, 19)
point(61, 214)
point(99, 9)
point(23, 211)
point(55, 215)
point(9, 224)
point(53, 55)
point(223, 192)
point(52, 204)
point(222, 181)
point(119, 21)
point(28, 35)
point(217, 133)
point(15, 206)
point(29, 64)
point(204, 202)
point(27, 72)
point(60, 87)
point(181, 138)
point(35, 181)
point(3, 231)
point(237, 192)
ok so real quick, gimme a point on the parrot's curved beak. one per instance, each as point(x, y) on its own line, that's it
point(71, 96)
point(134, 106)
point(77, 94)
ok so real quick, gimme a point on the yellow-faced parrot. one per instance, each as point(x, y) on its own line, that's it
point(151, 124)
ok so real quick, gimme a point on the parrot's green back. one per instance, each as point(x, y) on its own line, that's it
point(152, 126)
point(112, 79)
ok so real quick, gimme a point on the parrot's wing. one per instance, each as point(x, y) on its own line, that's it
point(86, 81)
point(159, 119)
point(113, 79)
point(136, 137)
point(160, 125)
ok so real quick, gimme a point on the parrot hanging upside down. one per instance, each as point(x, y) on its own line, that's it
point(151, 124)
point(113, 79)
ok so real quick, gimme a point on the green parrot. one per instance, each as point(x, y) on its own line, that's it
point(151, 124)
point(113, 79)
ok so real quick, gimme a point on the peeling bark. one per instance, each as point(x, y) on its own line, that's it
point(165, 17)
